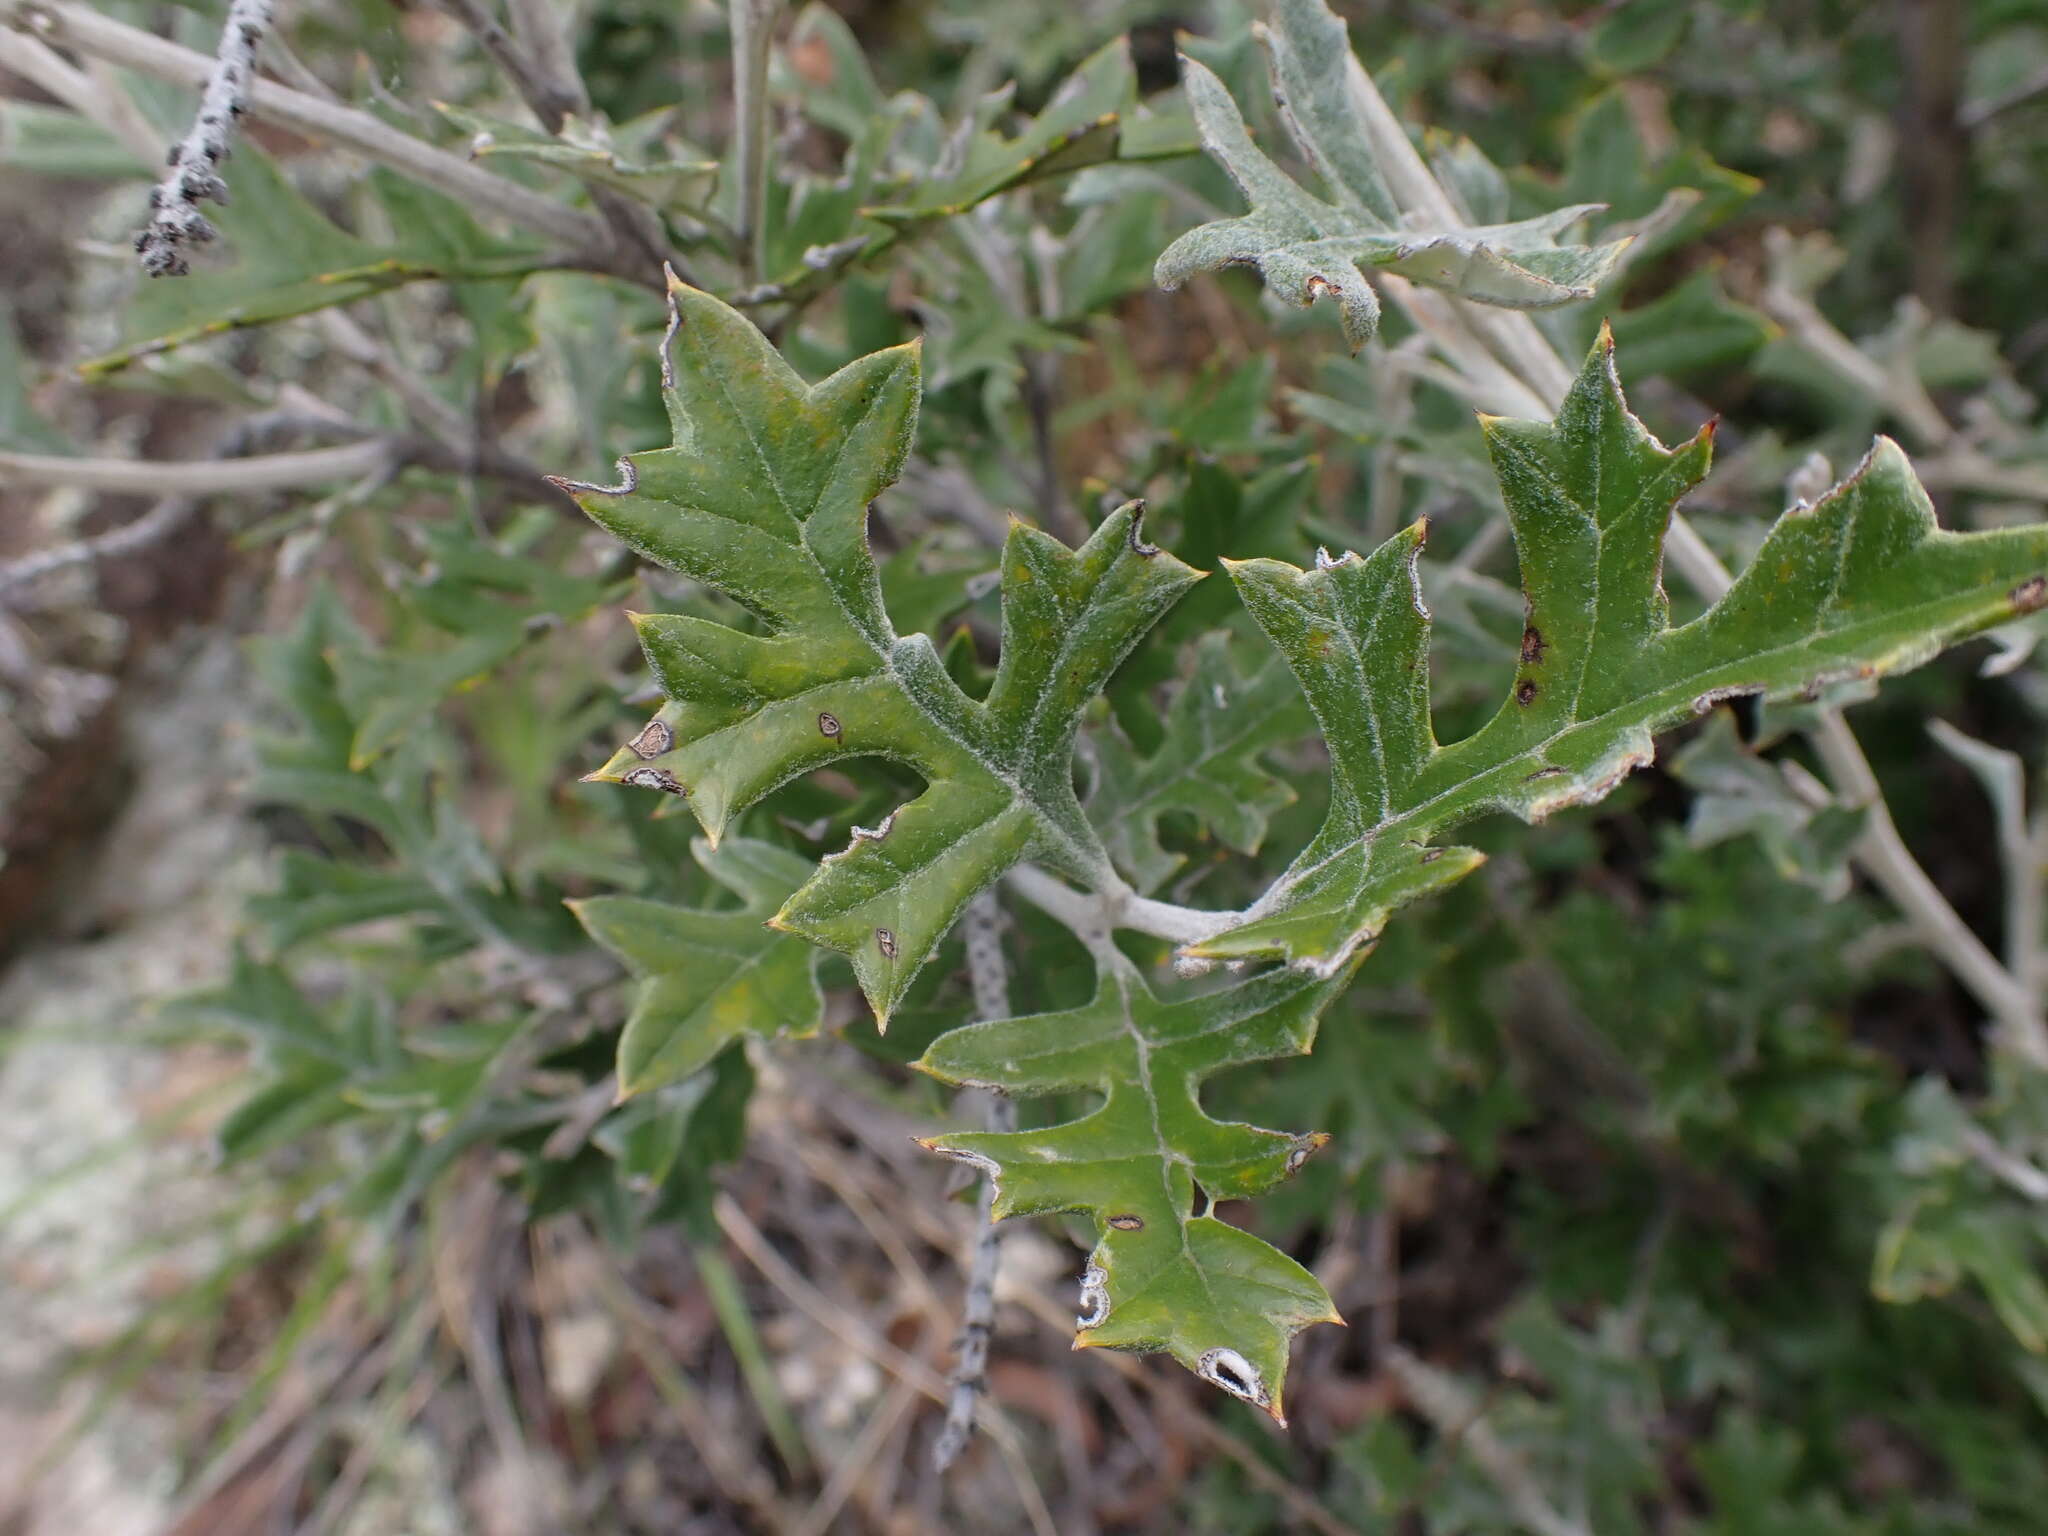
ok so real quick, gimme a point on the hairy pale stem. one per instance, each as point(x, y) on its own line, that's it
point(1092, 914)
point(182, 488)
point(85, 31)
point(988, 971)
point(753, 26)
point(175, 221)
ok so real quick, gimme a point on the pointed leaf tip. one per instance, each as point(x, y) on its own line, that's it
point(1860, 582)
point(1161, 1277)
point(1309, 247)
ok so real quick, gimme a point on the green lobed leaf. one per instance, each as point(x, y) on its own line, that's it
point(1148, 1165)
point(709, 977)
point(764, 497)
point(1307, 248)
point(1858, 584)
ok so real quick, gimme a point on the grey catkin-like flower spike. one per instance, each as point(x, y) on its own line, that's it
point(175, 220)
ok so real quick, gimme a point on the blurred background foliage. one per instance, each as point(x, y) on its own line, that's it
point(1672, 1187)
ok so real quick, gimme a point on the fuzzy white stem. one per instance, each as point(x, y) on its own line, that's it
point(988, 972)
point(2007, 1166)
point(206, 477)
point(753, 25)
point(1897, 389)
point(84, 30)
point(175, 220)
point(1093, 914)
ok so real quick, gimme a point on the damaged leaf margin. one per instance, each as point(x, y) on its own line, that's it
point(1307, 248)
point(764, 496)
point(1149, 1163)
point(1858, 584)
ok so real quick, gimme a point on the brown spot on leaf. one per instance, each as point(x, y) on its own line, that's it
point(655, 738)
point(1533, 646)
point(829, 727)
point(1526, 691)
point(885, 941)
point(1128, 1223)
point(2030, 596)
point(654, 778)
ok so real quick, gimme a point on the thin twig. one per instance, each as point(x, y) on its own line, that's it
point(1977, 114)
point(989, 974)
point(2005, 1164)
point(182, 485)
point(1962, 468)
point(753, 25)
point(551, 99)
point(1093, 914)
point(76, 26)
point(202, 477)
point(537, 26)
point(1897, 390)
point(175, 221)
point(428, 409)
point(188, 485)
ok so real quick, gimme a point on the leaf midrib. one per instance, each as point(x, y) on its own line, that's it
point(1418, 817)
point(1167, 1155)
point(886, 654)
